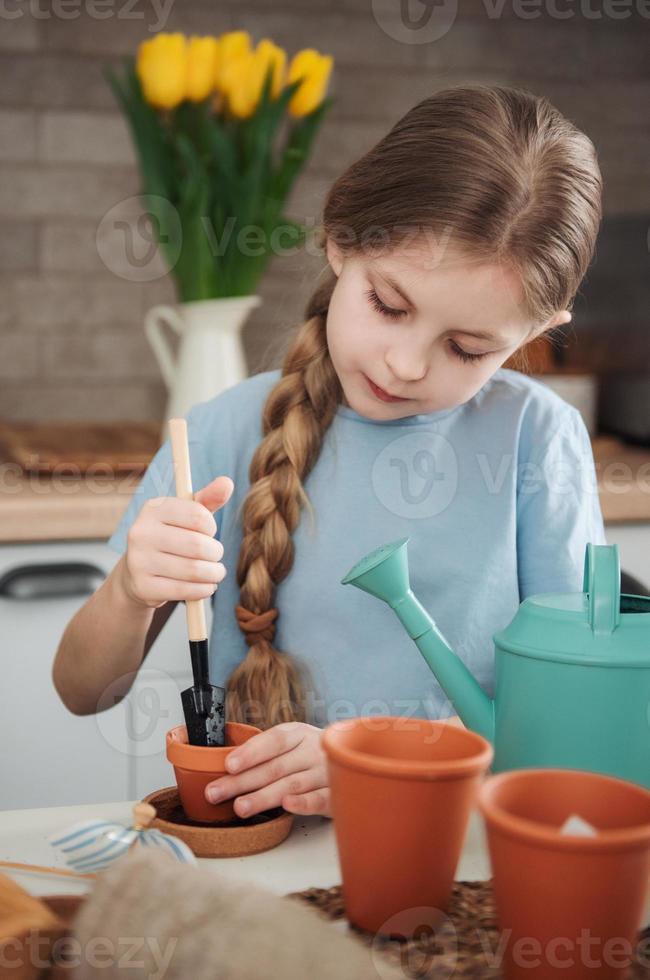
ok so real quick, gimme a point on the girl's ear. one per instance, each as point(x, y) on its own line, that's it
point(564, 316)
point(559, 318)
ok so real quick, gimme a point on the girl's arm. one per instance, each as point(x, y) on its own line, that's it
point(172, 555)
point(108, 638)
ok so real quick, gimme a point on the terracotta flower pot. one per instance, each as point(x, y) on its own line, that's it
point(401, 793)
point(197, 765)
point(555, 892)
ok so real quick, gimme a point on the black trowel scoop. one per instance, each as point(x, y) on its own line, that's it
point(203, 703)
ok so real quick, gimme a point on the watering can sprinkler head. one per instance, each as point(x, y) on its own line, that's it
point(383, 573)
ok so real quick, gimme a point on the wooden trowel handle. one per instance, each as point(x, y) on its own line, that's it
point(196, 628)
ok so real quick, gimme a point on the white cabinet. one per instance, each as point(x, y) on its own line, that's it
point(48, 756)
point(633, 542)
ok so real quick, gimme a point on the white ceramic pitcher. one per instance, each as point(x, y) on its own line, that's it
point(210, 354)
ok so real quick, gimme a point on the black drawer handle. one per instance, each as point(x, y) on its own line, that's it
point(60, 579)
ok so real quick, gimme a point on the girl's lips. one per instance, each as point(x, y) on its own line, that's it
point(381, 394)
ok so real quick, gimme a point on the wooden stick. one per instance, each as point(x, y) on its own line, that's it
point(194, 608)
point(43, 869)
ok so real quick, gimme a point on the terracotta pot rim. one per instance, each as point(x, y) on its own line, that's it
point(408, 768)
point(200, 758)
point(522, 828)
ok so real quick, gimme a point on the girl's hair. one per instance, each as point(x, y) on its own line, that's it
point(498, 172)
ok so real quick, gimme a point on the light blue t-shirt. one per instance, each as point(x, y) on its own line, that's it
point(497, 495)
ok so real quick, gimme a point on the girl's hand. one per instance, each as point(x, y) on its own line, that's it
point(172, 552)
point(282, 766)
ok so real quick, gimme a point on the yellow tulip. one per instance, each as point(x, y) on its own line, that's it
point(232, 46)
point(161, 66)
point(236, 85)
point(201, 66)
point(243, 77)
point(269, 55)
point(314, 69)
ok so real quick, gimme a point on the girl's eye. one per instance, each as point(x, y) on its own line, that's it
point(463, 354)
point(393, 314)
point(382, 308)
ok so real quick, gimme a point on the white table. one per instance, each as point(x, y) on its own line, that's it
point(306, 859)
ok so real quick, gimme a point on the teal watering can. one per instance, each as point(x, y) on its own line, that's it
point(572, 672)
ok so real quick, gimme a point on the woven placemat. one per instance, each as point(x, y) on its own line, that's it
point(464, 946)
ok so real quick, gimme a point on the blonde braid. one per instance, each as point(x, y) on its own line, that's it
point(267, 688)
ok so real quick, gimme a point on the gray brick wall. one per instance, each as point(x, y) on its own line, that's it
point(71, 338)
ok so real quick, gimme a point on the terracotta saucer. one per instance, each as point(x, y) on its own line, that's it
point(237, 839)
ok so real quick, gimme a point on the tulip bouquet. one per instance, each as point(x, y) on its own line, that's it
point(221, 129)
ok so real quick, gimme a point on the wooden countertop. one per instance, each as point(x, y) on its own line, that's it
point(70, 481)
point(40, 508)
point(623, 480)
point(36, 507)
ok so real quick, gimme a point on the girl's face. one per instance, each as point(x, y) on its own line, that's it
point(431, 331)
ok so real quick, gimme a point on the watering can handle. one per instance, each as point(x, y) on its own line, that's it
point(155, 319)
point(602, 583)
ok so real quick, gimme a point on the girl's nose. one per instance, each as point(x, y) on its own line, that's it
point(406, 366)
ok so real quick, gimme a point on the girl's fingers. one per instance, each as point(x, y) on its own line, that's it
point(187, 543)
point(181, 513)
point(268, 773)
point(317, 801)
point(267, 745)
point(186, 569)
point(296, 784)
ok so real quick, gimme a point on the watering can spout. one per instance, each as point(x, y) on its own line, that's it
point(384, 574)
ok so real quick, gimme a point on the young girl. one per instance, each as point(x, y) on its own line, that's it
point(462, 235)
